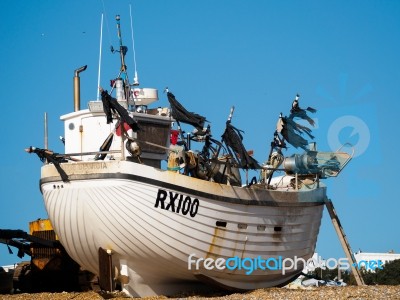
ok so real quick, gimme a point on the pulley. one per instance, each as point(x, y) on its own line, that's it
point(133, 148)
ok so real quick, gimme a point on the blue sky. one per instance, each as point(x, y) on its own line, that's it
point(342, 57)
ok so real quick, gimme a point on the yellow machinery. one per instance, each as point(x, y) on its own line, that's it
point(42, 256)
point(50, 269)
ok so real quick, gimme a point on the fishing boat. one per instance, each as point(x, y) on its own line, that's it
point(132, 201)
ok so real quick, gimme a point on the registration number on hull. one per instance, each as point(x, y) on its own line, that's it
point(177, 203)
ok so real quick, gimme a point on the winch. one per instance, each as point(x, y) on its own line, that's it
point(323, 164)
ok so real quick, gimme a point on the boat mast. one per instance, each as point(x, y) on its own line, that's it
point(122, 49)
point(122, 52)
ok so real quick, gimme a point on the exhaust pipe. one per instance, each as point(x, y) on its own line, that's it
point(77, 88)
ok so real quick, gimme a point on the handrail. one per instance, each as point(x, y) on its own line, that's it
point(347, 144)
point(88, 153)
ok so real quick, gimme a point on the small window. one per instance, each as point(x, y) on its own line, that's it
point(261, 227)
point(242, 226)
point(278, 228)
point(220, 223)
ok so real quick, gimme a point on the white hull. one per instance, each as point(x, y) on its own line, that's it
point(113, 205)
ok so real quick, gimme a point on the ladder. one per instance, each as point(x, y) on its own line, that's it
point(344, 242)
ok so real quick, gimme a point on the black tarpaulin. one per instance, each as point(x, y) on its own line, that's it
point(233, 139)
point(292, 131)
point(180, 114)
point(111, 105)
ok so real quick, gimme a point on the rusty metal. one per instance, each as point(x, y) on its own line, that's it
point(77, 88)
point(42, 255)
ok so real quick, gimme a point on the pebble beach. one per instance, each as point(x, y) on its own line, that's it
point(383, 292)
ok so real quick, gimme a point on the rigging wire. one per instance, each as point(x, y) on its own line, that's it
point(101, 43)
point(108, 27)
point(135, 78)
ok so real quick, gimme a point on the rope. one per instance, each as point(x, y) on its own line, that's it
point(173, 161)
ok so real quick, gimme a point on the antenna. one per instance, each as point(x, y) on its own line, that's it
point(46, 133)
point(101, 42)
point(108, 27)
point(135, 78)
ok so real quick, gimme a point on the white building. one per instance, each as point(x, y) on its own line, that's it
point(366, 260)
point(373, 260)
